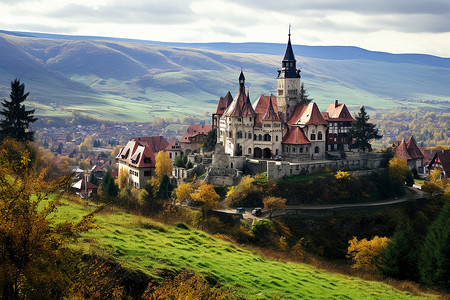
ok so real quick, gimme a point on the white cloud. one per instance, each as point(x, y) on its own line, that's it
point(398, 26)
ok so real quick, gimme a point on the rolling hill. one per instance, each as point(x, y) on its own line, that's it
point(135, 80)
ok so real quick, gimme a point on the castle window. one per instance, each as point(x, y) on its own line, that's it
point(276, 138)
point(319, 136)
point(313, 137)
point(254, 137)
point(280, 92)
point(249, 136)
point(301, 149)
point(239, 134)
point(249, 150)
point(276, 152)
point(147, 173)
point(293, 149)
point(230, 134)
point(267, 137)
point(250, 119)
point(260, 137)
point(316, 150)
point(239, 119)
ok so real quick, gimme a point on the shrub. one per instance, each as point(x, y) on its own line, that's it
point(365, 252)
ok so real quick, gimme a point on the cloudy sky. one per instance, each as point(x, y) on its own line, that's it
point(398, 26)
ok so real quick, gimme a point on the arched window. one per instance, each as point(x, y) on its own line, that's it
point(249, 135)
point(276, 138)
point(316, 150)
point(313, 136)
point(267, 137)
point(249, 150)
point(239, 134)
point(319, 135)
point(260, 137)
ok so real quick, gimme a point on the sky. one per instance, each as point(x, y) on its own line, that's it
point(397, 26)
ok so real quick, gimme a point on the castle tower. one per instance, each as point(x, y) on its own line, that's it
point(288, 84)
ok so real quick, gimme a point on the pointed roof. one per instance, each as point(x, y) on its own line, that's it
point(442, 157)
point(247, 108)
point(261, 105)
point(137, 155)
point(295, 136)
point(235, 107)
point(402, 151)
point(338, 112)
point(289, 53)
point(223, 104)
point(307, 115)
point(413, 149)
point(241, 78)
point(81, 185)
point(270, 114)
point(193, 130)
point(156, 143)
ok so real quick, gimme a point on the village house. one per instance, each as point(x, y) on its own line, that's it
point(409, 151)
point(194, 138)
point(441, 161)
point(174, 149)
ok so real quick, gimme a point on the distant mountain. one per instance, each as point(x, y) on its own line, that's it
point(136, 80)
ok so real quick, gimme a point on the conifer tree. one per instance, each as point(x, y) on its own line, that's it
point(108, 185)
point(304, 96)
point(434, 260)
point(16, 119)
point(363, 132)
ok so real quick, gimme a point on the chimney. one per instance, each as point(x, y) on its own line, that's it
point(336, 103)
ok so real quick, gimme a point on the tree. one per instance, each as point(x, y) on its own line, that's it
point(207, 196)
point(431, 188)
point(165, 188)
point(16, 119)
point(211, 140)
point(434, 259)
point(304, 96)
point(124, 179)
point(183, 192)
point(34, 262)
point(274, 203)
point(163, 164)
point(363, 132)
point(108, 186)
point(93, 179)
point(399, 260)
point(365, 252)
point(397, 172)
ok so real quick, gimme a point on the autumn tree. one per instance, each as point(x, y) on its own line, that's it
point(183, 192)
point(431, 188)
point(363, 132)
point(274, 203)
point(124, 178)
point(398, 169)
point(163, 164)
point(207, 197)
point(33, 257)
point(16, 119)
point(364, 253)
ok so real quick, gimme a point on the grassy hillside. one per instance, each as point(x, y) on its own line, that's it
point(142, 80)
point(153, 248)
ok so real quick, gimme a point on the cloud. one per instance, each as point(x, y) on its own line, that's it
point(132, 12)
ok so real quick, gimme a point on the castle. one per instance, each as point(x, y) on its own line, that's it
point(281, 127)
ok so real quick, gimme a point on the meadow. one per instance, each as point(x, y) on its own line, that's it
point(156, 249)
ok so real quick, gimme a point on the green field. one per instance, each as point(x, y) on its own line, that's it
point(154, 248)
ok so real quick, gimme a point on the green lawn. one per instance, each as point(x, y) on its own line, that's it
point(151, 247)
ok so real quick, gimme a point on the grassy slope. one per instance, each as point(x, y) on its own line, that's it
point(151, 247)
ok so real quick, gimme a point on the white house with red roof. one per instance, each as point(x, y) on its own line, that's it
point(339, 123)
point(138, 160)
point(409, 151)
point(174, 149)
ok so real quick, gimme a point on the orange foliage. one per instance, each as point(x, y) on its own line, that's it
point(365, 252)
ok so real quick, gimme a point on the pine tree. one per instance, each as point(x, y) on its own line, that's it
point(304, 96)
point(16, 119)
point(109, 187)
point(399, 259)
point(434, 260)
point(363, 132)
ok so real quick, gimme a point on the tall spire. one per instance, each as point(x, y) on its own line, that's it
point(289, 64)
point(241, 79)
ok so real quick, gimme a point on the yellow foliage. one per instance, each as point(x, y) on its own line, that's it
point(207, 196)
point(123, 179)
point(297, 250)
point(365, 252)
point(397, 169)
point(183, 192)
point(282, 244)
point(342, 175)
point(273, 203)
point(163, 164)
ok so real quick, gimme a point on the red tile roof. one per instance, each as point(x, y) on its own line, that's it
point(442, 157)
point(138, 155)
point(157, 143)
point(174, 145)
point(235, 107)
point(247, 109)
point(402, 151)
point(270, 114)
point(261, 105)
point(307, 115)
point(338, 113)
point(223, 104)
point(194, 130)
point(413, 149)
point(295, 136)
